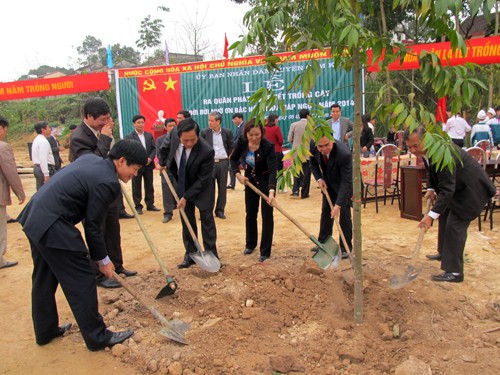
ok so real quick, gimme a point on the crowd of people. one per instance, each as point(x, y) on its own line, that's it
point(199, 165)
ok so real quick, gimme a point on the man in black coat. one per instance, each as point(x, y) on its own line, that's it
point(94, 136)
point(459, 197)
point(81, 192)
point(189, 161)
point(221, 140)
point(331, 166)
point(146, 173)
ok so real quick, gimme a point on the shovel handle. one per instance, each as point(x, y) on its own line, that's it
point(279, 208)
point(145, 233)
point(183, 213)
point(420, 237)
point(344, 241)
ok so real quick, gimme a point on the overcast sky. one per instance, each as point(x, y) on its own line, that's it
point(47, 32)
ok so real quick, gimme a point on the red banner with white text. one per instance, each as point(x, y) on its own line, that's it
point(54, 86)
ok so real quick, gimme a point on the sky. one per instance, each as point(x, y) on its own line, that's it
point(48, 32)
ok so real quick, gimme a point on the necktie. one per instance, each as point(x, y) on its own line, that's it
point(325, 159)
point(181, 181)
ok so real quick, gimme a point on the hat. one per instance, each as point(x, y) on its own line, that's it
point(491, 111)
point(481, 115)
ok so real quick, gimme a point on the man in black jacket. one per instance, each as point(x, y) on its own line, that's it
point(81, 192)
point(459, 197)
point(189, 160)
point(331, 166)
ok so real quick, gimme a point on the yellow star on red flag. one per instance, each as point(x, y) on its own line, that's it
point(170, 84)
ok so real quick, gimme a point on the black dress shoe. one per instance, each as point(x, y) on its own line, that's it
point(448, 276)
point(153, 208)
point(126, 272)
point(305, 197)
point(60, 331)
point(108, 283)
point(139, 211)
point(248, 251)
point(434, 257)
point(125, 215)
point(11, 220)
point(186, 263)
point(230, 187)
point(220, 215)
point(345, 255)
point(263, 258)
point(167, 218)
point(119, 337)
point(8, 264)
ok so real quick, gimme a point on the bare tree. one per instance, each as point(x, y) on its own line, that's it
point(193, 40)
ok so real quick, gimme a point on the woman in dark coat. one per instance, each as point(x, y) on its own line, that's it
point(366, 137)
point(258, 157)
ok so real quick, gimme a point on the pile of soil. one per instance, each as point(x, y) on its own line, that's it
point(284, 315)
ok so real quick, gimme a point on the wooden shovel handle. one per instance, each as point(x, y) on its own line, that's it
point(279, 208)
point(344, 241)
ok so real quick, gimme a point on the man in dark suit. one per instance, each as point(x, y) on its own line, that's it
point(94, 136)
point(146, 173)
point(341, 126)
point(81, 192)
point(190, 161)
point(221, 140)
point(331, 166)
point(240, 124)
point(459, 197)
point(56, 148)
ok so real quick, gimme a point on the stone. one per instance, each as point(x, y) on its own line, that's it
point(119, 305)
point(118, 350)
point(211, 322)
point(284, 364)
point(408, 335)
point(153, 365)
point(289, 284)
point(413, 366)
point(341, 333)
point(469, 358)
point(249, 302)
point(355, 352)
point(113, 313)
point(176, 356)
point(218, 362)
point(311, 267)
point(175, 368)
point(109, 299)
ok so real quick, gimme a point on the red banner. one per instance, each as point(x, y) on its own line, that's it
point(159, 93)
point(479, 51)
point(54, 86)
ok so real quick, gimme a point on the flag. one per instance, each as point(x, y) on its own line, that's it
point(441, 110)
point(167, 61)
point(110, 57)
point(226, 44)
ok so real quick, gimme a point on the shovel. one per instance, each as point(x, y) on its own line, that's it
point(411, 273)
point(171, 286)
point(174, 330)
point(205, 259)
point(341, 232)
point(328, 255)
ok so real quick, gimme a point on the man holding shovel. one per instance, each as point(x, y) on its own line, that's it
point(331, 166)
point(81, 192)
point(459, 197)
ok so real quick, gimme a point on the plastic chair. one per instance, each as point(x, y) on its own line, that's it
point(486, 146)
point(495, 201)
point(479, 154)
point(385, 176)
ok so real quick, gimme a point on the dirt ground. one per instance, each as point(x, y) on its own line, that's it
point(284, 315)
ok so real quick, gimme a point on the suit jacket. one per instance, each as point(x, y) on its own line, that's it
point(82, 191)
point(54, 145)
point(150, 146)
point(83, 141)
point(337, 173)
point(227, 138)
point(345, 126)
point(263, 175)
point(8, 175)
point(199, 187)
point(464, 191)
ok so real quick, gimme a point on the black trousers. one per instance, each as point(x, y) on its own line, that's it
point(252, 208)
point(146, 174)
point(453, 236)
point(219, 175)
point(303, 182)
point(71, 270)
point(208, 229)
point(326, 223)
point(167, 197)
point(458, 142)
point(39, 177)
point(111, 229)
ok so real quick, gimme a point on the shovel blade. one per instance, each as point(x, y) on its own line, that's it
point(206, 260)
point(398, 282)
point(168, 289)
point(328, 255)
point(175, 331)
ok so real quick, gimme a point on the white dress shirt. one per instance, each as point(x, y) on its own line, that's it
point(41, 153)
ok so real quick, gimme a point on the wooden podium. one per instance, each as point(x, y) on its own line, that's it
point(412, 177)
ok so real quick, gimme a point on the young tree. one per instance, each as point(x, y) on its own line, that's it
point(150, 33)
point(338, 25)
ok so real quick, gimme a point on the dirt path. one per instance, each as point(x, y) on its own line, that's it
point(284, 314)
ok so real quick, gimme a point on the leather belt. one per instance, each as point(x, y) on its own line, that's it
point(218, 160)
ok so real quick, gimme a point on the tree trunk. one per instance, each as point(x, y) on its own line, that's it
point(491, 68)
point(387, 94)
point(356, 178)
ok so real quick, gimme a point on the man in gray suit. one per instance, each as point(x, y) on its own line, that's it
point(221, 140)
point(8, 179)
point(302, 182)
point(459, 197)
point(340, 125)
